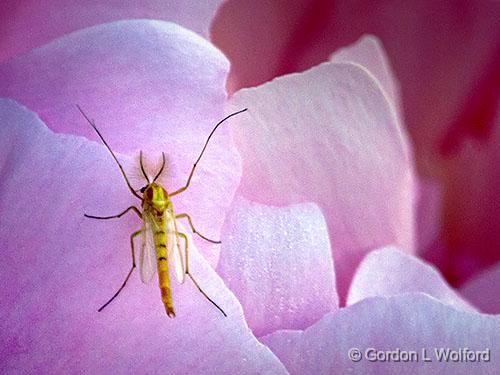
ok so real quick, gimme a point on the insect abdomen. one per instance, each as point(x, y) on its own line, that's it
point(163, 276)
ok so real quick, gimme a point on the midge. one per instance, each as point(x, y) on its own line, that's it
point(159, 235)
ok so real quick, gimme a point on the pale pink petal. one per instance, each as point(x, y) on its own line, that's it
point(59, 267)
point(29, 24)
point(388, 272)
point(429, 213)
point(278, 262)
point(369, 52)
point(482, 290)
point(406, 323)
point(141, 80)
point(329, 136)
point(150, 86)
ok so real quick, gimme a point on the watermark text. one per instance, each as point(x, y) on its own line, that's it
point(442, 354)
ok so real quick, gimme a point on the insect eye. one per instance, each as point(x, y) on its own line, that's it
point(143, 189)
point(149, 193)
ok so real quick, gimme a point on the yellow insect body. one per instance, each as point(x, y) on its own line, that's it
point(159, 223)
point(159, 234)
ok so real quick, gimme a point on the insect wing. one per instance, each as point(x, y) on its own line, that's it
point(147, 262)
point(175, 254)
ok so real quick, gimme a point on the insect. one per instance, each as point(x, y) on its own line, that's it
point(160, 239)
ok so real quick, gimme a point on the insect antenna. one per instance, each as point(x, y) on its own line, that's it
point(203, 150)
point(161, 168)
point(109, 148)
point(142, 167)
point(213, 131)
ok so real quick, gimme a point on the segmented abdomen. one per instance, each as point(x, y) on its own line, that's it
point(160, 240)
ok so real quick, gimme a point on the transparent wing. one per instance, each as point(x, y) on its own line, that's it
point(176, 256)
point(147, 261)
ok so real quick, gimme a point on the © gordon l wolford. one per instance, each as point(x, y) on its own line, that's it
point(437, 354)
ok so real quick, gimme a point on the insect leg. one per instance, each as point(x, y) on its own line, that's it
point(136, 210)
point(178, 191)
point(193, 229)
point(180, 234)
point(136, 233)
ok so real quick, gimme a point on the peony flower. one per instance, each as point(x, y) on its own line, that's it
point(325, 178)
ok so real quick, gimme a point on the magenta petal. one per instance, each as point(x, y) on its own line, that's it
point(369, 53)
point(59, 267)
point(150, 86)
point(29, 24)
point(408, 323)
point(329, 136)
point(482, 290)
point(388, 272)
point(278, 263)
point(472, 226)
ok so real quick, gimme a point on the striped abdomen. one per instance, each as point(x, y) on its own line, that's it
point(160, 240)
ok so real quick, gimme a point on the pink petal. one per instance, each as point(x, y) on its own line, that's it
point(446, 103)
point(476, 119)
point(423, 41)
point(59, 267)
point(369, 52)
point(29, 24)
point(405, 323)
point(234, 33)
point(150, 86)
point(278, 263)
point(482, 290)
point(388, 272)
point(329, 136)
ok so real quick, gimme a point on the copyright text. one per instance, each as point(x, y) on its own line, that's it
point(460, 355)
